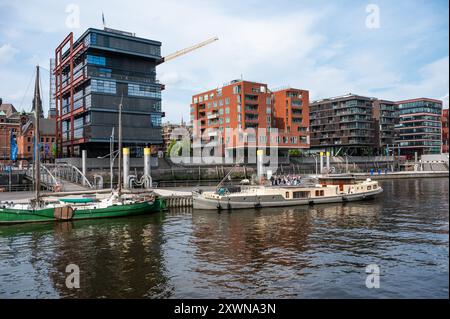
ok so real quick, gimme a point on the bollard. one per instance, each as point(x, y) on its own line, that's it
point(328, 161)
point(147, 161)
point(260, 162)
point(126, 166)
point(83, 163)
point(321, 162)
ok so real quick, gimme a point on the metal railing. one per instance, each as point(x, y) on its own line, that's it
point(69, 173)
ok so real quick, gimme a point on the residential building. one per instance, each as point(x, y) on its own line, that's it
point(445, 139)
point(291, 116)
point(93, 76)
point(243, 114)
point(343, 125)
point(174, 132)
point(419, 128)
point(25, 139)
point(9, 124)
point(385, 115)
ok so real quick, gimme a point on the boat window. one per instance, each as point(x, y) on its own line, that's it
point(369, 187)
point(319, 193)
point(374, 186)
point(287, 194)
point(300, 194)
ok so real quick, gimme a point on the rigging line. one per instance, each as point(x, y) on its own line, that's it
point(25, 93)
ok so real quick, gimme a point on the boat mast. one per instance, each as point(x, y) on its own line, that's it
point(37, 112)
point(119, 186)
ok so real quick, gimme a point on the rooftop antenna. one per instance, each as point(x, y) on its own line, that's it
point(103, 20)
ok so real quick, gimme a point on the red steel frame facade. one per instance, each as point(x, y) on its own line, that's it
point(62, 61)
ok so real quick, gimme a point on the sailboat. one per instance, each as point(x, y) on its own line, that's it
point(39, 210)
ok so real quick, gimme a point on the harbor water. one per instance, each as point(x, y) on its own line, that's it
point(320, 251)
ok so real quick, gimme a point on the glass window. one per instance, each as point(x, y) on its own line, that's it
point(156, 120)
point(97, 60)
point(144, 90)
point(103, 86)
point(227, 101)
point(227, 110)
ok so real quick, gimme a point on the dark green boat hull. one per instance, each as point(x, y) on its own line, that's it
point(14, 216)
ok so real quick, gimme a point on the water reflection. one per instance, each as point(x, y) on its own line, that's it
point(303, 252)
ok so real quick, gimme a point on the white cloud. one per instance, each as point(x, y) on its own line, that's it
point(318, 47)
point(7, 53)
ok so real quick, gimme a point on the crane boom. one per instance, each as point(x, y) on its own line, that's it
point(186, 50)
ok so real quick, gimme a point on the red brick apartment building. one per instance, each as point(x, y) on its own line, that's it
point(243, 114)
point(445, 140)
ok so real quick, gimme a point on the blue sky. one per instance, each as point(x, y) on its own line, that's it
point(323, 46)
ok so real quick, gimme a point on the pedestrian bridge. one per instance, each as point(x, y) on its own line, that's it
point(61, 177)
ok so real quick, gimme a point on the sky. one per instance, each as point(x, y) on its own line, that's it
point(391, 50)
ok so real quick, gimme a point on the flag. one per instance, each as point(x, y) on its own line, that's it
point(103, 19)
point(13, 147)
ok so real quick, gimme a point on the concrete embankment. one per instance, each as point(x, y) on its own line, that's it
point(398, 175)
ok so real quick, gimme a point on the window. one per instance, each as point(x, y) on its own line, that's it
point(97, 60)
point(144, 90)
point(319, 193)
point(300, 194)
point(227, 101)
point(268, 100)
point(287, 194)
point(206, 97)
point(221, 111)
point(227, 110)
point(227, 120)
point(220, 102)
point(200, 98)
point(103, 86)
point(268, 110)
point(195, 100)
point(156, 120)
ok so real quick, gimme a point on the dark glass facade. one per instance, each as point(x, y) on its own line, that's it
point(419, 129)
point(343, 125)
point(108, 66)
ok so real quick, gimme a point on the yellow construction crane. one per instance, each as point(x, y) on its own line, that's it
point(186, 50)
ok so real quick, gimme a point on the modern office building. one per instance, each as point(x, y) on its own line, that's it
point(93, 75)
point(385, 115)
point(243, 115)
point(419, 128)
point(445, 139)
point(343, 125)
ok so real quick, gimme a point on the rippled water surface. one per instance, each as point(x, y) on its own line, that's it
point(302, 252)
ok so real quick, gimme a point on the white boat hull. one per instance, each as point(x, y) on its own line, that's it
point(255, 201)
